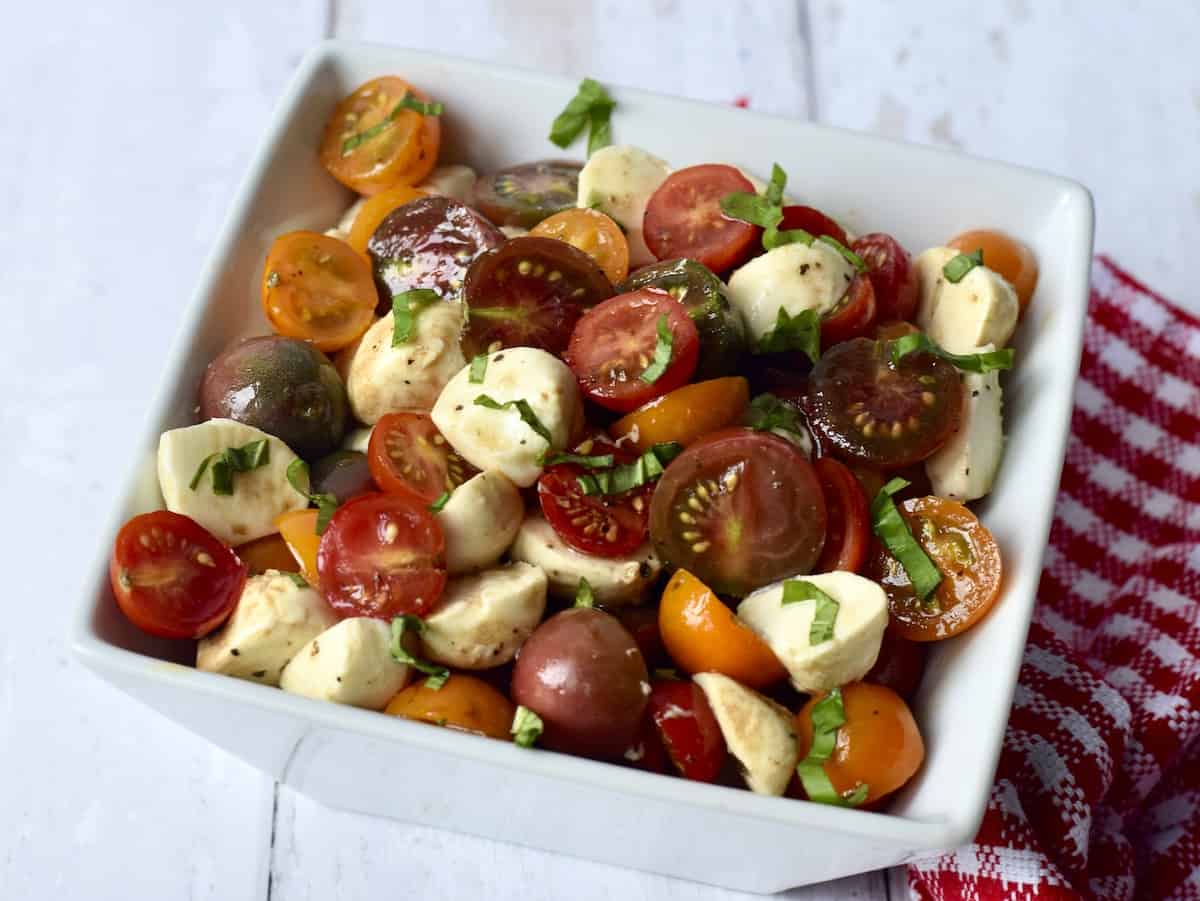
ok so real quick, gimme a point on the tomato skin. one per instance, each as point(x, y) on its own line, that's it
point(464, 703)
point(602, 525)
point(684, 219)
point(268, 552)
point(892, 275)
point(375, 210)
point(1005, 255)
point(812, 221)
point(687, 729)
point(525, 195)
point(900, 665)
point(298, 529)
point(685, 415)
point(595, 234)
point(172, 578)
point(382, 555)
point(853, 317)
point(409, 456)
point(848, 523)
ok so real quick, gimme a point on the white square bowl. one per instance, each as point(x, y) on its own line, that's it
point(369, 762)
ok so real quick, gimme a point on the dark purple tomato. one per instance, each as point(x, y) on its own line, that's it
point(344, 474)
point(525, 195)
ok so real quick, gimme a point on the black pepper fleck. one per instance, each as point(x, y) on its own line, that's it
point(235, 652)
point(804, 268)
point(258, 674)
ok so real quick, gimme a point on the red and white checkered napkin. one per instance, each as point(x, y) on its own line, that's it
point(1097, 794)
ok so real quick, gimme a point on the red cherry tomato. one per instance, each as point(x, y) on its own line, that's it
point(684, 218)
point(688, 729)
point(892, 275)
point(812, 221)
point(642, 624)
point(614, 344)
point(172, 577)
point(607, 525)
point(847, 529)
point(646, 751)
point(408, 455)
point(853, 317)
point(382, 555)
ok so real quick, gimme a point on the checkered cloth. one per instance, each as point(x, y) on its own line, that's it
point(1097, 794)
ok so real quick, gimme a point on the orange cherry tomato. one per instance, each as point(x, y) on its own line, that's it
point(966, 554)
point(878, 746)
point(268, 552)
point(318, 289)
point(298, 529)
point(371, 142)
point(375, 209)
point(686, 414)
point(595, 234)
point(1004, 255)
point(702, 635)
point(464, 703)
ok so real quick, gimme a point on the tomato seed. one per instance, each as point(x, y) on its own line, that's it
point(928, 398)
point(204, 558)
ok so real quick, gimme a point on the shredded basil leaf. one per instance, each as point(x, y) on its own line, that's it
point(437, 674)
point(437, 680)
point(800, 332)
point(224, 464)
point(752, 208)
point(981, 363)
point(667, 674)
point(828, 716)
point(522, 407)
point(408, 101)
point(627, 476)
point(893, 531)
point(825, 608)
point(590, 108)
point(584, 596)
point(591, 461)
point(478, 369)
point(847, 254)
point(298, 580)
point(767, 413)
point(773, 237)
point(327, 504)
point(663, 348)
point(958, 267)
point(405, 307)
point(438, 504)
point(526, 727)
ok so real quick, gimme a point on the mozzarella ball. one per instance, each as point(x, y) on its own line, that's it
point(794, 277)
point(349, 663)
point(480, 520)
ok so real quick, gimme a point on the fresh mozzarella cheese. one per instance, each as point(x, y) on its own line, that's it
point(349, 663)
point(965, 467)
point(382, 378)
point(757, 731)
point(259, 495)
point(794, 277)
point(457, 182)
point(980, 309)
point(615, 581)
point(501, 439)
point(619, 181)
point(480, 521)
point(357, 440)
point(483, 619)
point(862, 616)
point(274, 617)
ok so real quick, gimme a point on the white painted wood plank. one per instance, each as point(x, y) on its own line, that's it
point(126, 128)
point(1106, 93)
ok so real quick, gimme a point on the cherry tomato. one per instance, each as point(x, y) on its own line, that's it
point(268, 552)
point(172, 577)
point(642, 624)
point(687, 729)
point(1005, 255)
point(298, 529)
point(615, 342)
point(408, 455)
point(375, 209)
point(372, 143)
point(530, 293)
point(382, 555)
point(428, 243)
point(646, 751)
point(525, 195)
point(607, 525)
point(685, 415)
point(318, 289)
point(703, 636)
point(965, 553)
point(900, 665)
point(890, 331)
point(344, 474)
point(892, 275)
point(812, 221)
point(879, 413)
point(684, 218)
point(592, 232)
point(463, 703)
point(854, 315)
point(878, 746)
point(848, 524)
point(740, 509)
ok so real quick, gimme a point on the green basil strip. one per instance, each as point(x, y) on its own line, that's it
point(801, 332)
point(522, 407)
point(825, 609)
point(627, 476)
point(590, 461)
point(584, 596)
point(298, 580)
point(773, 237)
point(752, 208)
point(590, 108)
point(828, 716)
point(438, 504)
point(981, 363)
point(526, 727)
point(224, 464)
point(767, 413)
point(327, 504)
point(663, 348)
point(478, 369)
point(405, 307)
point(958, 267)
point(847, 254)
point(893, 531)
point(437, 674)
point(599, 127)
point(408, 101)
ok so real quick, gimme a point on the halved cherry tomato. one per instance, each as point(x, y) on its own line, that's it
point(882, 413)
point(702, 635)
point(298, 528)
point(371, 142)
point(812, 221)
point(684, 218)
point(900, 664)
point(464, 703)
point(685, 415)
point(317, 288)
point(408, 455)
point(854, 315)
point(1004, 255)
point(524, 195)
point(740, 509)
point(382, 555)
point(878, 746)
point(268, 552)
point(606, 525)
point(892, 275)
point(848, 524)
point(172, 577)
point(688, 729)
point(375, 209)
point(592, 232)
point(965, 553)
point(530, 293)
point(890, 331)
point(615, 342)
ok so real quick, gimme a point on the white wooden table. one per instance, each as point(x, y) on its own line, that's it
point(124, 132)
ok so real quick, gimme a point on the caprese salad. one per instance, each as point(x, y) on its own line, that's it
point(657, 466)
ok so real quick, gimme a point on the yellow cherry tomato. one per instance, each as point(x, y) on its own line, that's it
point(299, 529)
point(1004, 255)
point(685, 414)
point(375, 209)
point(595, 234)
point(464, 703)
